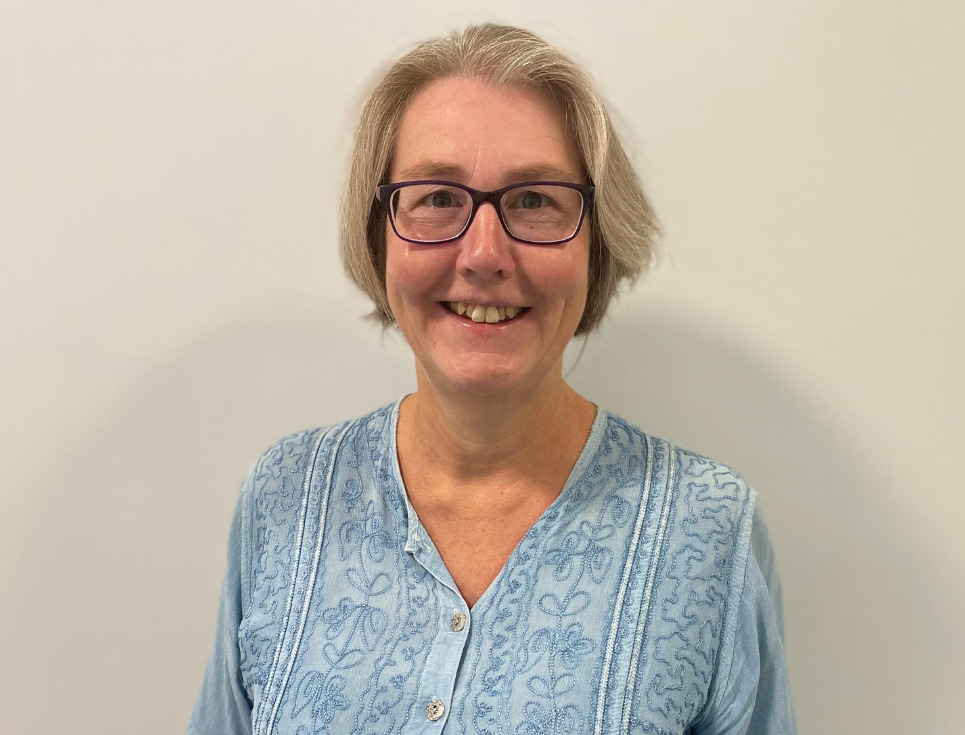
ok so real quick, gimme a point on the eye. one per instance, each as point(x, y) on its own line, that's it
point(441, 199)
point(531, 200)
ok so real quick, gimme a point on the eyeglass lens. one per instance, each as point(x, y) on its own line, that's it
point(537, 213)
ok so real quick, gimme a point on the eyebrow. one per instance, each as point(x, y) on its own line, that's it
point(452, 172)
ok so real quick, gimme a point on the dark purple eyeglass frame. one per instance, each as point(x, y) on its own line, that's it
point(383, 194)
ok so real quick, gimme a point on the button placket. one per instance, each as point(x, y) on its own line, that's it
point(446, 650)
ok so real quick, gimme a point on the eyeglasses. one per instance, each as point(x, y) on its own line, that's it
point(533, 212)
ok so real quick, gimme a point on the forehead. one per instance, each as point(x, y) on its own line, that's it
point(474, 132)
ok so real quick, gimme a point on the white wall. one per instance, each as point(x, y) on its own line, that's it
point(172, 303)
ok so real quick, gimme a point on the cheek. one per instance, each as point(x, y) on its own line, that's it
point(582, 266)
point(412, 275)
point(567, 277)
point(401, 275)
point(571, 282)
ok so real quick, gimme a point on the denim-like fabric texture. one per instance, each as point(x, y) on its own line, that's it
point(644, 600)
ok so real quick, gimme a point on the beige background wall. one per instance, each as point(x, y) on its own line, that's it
point(172, 303)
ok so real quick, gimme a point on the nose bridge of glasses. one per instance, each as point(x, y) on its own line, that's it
point(482, 197)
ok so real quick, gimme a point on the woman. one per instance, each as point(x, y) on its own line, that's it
point(493, 554)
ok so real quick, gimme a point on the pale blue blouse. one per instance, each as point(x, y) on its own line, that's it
point(644, 600)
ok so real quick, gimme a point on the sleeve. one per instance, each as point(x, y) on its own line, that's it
point(223, 706)
point(752, 695)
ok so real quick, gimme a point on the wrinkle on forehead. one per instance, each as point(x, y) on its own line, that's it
point(475, 162)
point(460, 128)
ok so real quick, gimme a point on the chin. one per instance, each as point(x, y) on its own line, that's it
point(491, 380)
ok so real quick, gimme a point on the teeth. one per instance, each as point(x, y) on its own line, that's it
point(488, 314)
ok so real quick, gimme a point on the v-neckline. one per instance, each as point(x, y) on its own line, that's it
point(417, 537)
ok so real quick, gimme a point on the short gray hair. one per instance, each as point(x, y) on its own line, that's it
point(623, 227)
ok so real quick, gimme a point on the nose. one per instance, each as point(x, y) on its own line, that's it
point(486, 250)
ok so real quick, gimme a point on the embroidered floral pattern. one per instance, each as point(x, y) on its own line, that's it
point(629, 570)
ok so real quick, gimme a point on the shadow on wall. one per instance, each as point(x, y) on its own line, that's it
point(116, 593)
point(116, 598)
point(859, 612)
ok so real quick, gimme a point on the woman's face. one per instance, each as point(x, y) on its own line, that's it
point(471, 133)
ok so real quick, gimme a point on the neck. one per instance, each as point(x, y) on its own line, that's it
point(477, 443)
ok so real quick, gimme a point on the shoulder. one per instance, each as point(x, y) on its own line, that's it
point(695, 481)
point(713, 511)
point(279, 497)
point(287, 458)
point(274, 494)
point(712, 491)
point(282, 469)
point(700, 514)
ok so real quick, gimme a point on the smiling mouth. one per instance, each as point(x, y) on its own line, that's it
point(488, 314)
